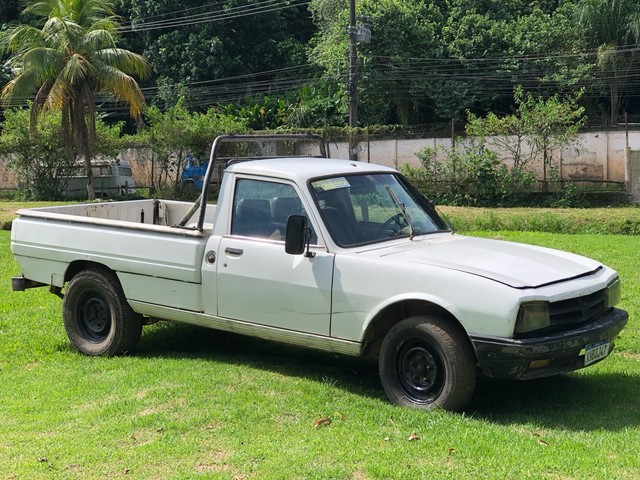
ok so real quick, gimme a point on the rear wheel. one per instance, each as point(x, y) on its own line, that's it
point(97, 317)
point(426, 363)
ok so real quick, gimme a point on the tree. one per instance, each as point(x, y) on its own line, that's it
point(539, 127)
point(613, 27)
point(175, 133)
point(432, 60)
point(38, 157)
point(210, 52)
point(66, 62)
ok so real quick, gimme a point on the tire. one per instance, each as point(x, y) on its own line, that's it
point(97, 317)
point(427, 363)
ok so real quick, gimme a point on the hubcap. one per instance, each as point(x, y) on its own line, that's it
point(94, 316)
point(420, 371)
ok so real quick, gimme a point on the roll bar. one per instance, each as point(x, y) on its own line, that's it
point(201, 201)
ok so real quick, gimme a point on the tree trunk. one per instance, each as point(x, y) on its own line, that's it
point(91, 193)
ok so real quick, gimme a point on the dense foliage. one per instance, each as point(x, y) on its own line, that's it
point(38, 157)
point(428, 61)
point(283, 64)
point(176, 133)
point(492, 166)
point(69, 57)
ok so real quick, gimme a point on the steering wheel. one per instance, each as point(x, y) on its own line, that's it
point(398, 219)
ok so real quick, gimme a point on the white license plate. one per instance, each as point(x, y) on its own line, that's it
point(596, 351)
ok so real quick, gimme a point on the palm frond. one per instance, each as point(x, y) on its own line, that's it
point(125, 60)
point(48, 60)
point(89, 11)
point(60, 32)
point(122, 86)
point(60, 94)
point(42, 8)
point(21, 87)
point(21, 38)
point(77, 70)
point(38, 102)
point(108, 24)
point(96, 40)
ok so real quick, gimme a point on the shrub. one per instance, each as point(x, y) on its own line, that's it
point(471, 175)
point(38, 158)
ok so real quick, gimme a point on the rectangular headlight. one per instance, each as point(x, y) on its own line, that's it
point(614, 293)
point(532, 316)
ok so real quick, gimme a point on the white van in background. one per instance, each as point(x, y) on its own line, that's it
point(111, 178)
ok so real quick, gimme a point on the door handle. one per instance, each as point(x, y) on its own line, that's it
point(233, 251)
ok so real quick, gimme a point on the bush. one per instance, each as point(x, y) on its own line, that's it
point(38, 158)
point(472, 176)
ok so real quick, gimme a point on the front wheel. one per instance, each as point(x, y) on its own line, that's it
point(427, 363)
point(97, 317)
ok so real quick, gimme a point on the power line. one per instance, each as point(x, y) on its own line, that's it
point(266, 6)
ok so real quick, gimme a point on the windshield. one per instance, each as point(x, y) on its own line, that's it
point(360, 209)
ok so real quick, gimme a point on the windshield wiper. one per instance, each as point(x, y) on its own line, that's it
point(402, 209)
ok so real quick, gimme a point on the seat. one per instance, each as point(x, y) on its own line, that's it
point(282, 207)
point(342, 230)
point(252, 218)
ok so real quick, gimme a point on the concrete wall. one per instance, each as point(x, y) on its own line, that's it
point(598, 156)
point(595, 156)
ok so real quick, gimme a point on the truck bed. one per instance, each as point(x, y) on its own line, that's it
point(139, 214)
point(135, 239)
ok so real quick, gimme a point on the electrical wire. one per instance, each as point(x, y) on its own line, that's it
point(266, 6)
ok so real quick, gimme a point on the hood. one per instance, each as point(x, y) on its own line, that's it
point(517, 265)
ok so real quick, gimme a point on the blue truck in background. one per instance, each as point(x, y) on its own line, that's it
point(194, 171)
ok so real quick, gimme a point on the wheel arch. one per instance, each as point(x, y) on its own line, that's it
point(78, 266)
point(394, 312)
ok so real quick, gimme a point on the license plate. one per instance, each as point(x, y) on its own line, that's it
point(596, 351)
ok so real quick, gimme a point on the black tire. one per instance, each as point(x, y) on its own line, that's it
point(97, 317)
point(427, 363)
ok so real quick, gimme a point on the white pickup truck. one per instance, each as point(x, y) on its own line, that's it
point(336, 255)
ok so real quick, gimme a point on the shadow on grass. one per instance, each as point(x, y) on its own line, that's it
point(586, 400)
point(169, 340)
point(579, 401)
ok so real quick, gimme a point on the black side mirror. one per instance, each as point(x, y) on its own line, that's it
point(297, 236)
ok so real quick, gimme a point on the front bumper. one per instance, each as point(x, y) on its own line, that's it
point(530, 358)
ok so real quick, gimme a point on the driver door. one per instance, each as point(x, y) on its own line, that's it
point(258, 282)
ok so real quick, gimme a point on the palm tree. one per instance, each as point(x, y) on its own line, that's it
point(613, 28)
point(65, 62)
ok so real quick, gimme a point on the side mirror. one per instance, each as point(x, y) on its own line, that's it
point(297, 236)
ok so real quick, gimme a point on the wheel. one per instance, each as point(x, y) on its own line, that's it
point(426, 363)
point(97, 317)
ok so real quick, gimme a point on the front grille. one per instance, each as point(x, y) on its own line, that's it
point(573, 312)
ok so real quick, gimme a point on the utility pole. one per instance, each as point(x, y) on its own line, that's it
point(353, 89)
point(357, 33)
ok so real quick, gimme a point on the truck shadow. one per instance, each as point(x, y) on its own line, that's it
point(580, 401)
point(169, 340)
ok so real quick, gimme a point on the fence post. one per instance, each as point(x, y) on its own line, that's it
point(632, 173)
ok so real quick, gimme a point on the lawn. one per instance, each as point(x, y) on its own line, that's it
point(195, 403)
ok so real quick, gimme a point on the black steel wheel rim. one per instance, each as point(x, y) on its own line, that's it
point(94, 316)
point(420, 371)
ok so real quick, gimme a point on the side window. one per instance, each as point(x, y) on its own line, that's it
point(261, 209)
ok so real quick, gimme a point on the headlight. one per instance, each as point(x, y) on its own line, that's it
point(614, 293)
point(532, 316)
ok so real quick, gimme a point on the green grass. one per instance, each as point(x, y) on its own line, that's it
point(195, 403)
point(8, 210)
point(619, 221)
